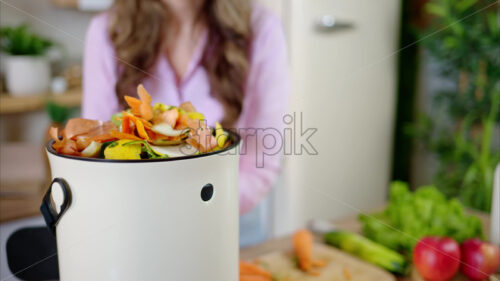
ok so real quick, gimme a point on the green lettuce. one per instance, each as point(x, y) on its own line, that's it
point(411, 216)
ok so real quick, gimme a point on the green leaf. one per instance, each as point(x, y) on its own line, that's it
point(471, 175)
point(57, 113)
point(493, 23)
point(463, 5)
point(450, 42)
point(436, 9)
point(21, 41)
point(456, 26)
point(421, 213)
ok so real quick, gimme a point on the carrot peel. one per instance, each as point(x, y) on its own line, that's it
point(247, 268)
point(140, 130)
point(145, 108)
point(120, 135)
point(134, 104)
point(126, 124)
point(253, 272)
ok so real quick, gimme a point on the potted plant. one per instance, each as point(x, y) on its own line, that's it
point(27, 68)
point(461, 130)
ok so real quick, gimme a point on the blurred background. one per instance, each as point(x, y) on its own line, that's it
point(397, 90)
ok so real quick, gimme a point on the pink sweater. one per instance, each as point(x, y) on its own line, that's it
point(265, 103)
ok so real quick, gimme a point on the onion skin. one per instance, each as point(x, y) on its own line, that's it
point(436, 258)
point(480, 259)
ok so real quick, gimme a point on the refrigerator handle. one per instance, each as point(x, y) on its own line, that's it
point(329, 23)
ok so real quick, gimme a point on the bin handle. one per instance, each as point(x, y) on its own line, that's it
point(48, 211)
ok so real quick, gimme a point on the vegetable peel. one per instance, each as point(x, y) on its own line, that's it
point(122, 152)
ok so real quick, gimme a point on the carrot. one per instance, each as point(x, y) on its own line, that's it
point(120, 135)
point(126, 124)
point(134, 118)
point(247, 268)
point(170, 117)
point(153, 135)
point(114, 135)
point(134, 104)
point(145, 107)
point(141, 106)
point(102, 138)
point(347, 273)
point(182, 122)
point(54, 133)
point(303, 243)
point(254, 278)
point(140, 130)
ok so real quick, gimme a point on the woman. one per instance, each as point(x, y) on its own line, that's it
point(228, 57)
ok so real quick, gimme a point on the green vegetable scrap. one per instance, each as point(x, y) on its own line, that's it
point(410, 216)
point(368, 251)
point(117, 119)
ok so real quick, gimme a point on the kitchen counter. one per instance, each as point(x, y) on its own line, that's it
point(351, 224)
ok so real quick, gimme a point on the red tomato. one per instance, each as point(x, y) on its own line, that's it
point(436, 258)
point(480, 259)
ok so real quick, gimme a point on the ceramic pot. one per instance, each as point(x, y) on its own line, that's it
point(27, 75)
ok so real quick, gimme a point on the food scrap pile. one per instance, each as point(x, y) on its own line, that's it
point(141, 132)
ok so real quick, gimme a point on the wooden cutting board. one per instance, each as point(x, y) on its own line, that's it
point(283, 267)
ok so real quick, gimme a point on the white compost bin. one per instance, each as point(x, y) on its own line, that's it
point(164, 219)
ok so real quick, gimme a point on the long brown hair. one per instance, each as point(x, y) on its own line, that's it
point(137, 29)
